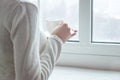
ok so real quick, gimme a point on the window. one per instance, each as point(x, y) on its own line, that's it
point(106, 21)
point(90, 38)
point(97, 22)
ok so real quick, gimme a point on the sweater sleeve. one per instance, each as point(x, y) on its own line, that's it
point(29, 63)
point(50, 54)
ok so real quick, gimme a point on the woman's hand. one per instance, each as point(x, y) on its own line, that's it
point(64, 31)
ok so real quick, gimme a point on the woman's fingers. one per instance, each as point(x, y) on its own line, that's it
point(73, 33)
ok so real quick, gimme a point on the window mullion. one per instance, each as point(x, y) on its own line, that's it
point(85, 37)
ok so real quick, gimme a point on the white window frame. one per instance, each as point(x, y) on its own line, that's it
point(85, 46)
point(96, 54)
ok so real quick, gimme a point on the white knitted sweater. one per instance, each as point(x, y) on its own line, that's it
point(25, 53)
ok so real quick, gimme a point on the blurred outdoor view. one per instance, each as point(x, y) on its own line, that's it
point(106, 20)
point(66, 10)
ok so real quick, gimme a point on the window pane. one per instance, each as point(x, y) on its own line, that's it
point(106, 21)
point(65, 10)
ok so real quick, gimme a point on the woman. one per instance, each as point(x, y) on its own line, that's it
point(22, 55)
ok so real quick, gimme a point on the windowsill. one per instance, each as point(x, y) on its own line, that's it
point(67, 73)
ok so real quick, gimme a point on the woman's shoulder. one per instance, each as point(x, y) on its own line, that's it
point(28, 5)
point(16, 11)
point(18, 4)
point(23, 8)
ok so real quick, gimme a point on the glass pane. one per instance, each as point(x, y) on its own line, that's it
point(65, 10)
point(106, 21)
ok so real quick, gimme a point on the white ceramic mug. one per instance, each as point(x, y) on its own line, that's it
point(51, 24)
